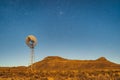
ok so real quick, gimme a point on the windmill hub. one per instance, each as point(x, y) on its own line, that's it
point(31, 41)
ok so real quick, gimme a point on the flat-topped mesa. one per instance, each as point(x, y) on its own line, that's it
point(101, 59)
point(59, 63)
point(54, 58)
point(52, 63)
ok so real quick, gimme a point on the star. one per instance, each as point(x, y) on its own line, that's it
point(61, 13)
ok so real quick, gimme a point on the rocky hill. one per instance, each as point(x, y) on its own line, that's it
point(58, 68)
point(59, 63)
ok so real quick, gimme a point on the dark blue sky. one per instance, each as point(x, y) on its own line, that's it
point(75, 29)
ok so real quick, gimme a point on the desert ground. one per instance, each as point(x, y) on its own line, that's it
point(57, 68)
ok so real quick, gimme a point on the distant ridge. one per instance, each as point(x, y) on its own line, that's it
point(54, 58)
point(59, 63)
point(102, 59)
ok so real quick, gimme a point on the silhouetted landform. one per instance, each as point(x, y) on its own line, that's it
point(58, 68)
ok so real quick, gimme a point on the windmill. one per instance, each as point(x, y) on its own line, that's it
point(31, 41)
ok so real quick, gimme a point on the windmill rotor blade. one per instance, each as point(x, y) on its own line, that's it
point(31, 41)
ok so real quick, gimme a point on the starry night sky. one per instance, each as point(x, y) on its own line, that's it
point(74, 29)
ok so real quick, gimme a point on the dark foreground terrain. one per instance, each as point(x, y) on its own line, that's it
point(57, 68)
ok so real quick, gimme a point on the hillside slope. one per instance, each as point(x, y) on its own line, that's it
point(58, 68)
point(59, 63)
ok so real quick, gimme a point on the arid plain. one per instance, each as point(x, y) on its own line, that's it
point(58, 68)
